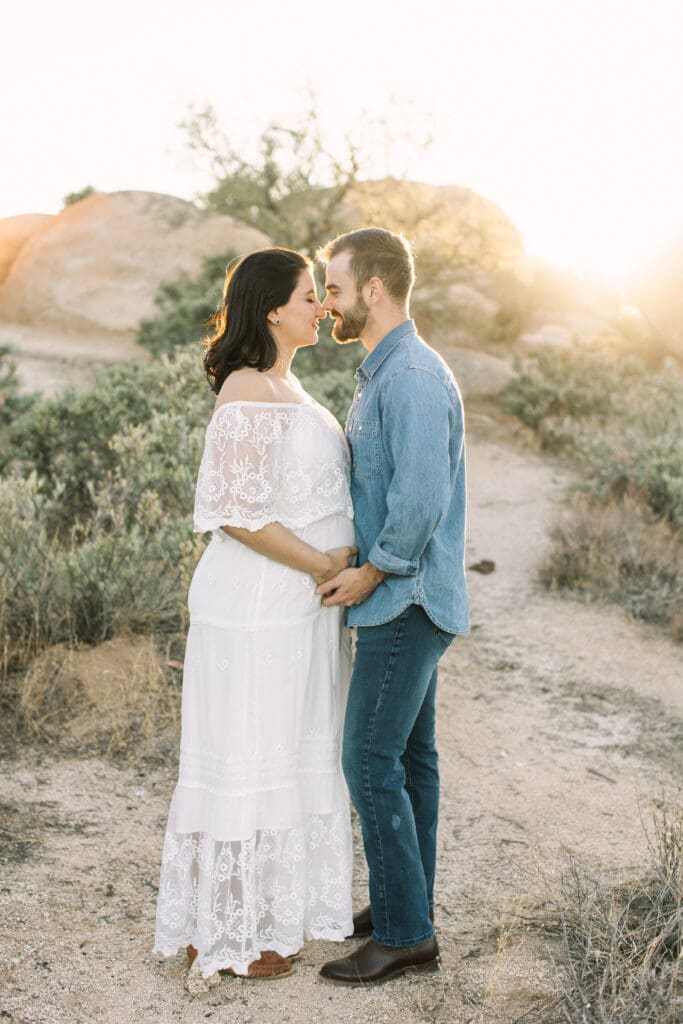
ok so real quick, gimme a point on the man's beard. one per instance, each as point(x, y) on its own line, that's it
point(350, 325)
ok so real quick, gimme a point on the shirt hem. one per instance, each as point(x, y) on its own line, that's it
point(383, 619)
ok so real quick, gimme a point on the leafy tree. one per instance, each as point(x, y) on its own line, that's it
point(294, 189)
point(75, 197)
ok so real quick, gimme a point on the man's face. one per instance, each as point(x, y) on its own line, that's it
point(343, 300)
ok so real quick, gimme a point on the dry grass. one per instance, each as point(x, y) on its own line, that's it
point(618, 551)
point(621, 942)
point(119, 699)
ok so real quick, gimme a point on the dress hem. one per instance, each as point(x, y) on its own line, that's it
point(241, 966)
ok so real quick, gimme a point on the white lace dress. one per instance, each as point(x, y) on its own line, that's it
point(257, 853)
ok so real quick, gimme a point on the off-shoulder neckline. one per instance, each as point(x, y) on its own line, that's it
point(275, 405)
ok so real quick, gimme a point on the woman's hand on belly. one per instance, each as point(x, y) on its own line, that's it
point(280, 544)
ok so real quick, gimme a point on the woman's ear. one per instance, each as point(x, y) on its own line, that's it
point(273, 318)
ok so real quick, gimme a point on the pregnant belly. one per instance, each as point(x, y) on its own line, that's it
point(236, 586)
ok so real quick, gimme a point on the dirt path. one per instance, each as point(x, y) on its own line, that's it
point(556, 720)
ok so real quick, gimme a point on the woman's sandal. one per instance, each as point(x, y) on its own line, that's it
point(269, 965)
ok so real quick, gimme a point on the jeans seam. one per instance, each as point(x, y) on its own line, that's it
point(366, 756)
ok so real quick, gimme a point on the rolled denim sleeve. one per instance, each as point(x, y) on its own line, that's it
point(417, 424)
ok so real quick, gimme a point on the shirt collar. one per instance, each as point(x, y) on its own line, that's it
point(374, 359)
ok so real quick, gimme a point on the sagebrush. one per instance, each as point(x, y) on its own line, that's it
point(621, 422)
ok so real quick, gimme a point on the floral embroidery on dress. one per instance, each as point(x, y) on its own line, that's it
point(233, 899)
point(257, 467)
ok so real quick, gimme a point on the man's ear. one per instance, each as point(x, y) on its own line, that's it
point(374, 289)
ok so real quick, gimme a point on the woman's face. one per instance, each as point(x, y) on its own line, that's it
point(299, 318)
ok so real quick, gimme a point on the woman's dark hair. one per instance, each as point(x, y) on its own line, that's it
point(260, 282)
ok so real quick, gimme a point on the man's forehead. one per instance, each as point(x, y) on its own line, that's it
point(338, 269)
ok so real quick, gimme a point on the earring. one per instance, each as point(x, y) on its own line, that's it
point(277, 321)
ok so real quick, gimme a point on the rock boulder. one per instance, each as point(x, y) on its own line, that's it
point(95, 268)
point(14, 233)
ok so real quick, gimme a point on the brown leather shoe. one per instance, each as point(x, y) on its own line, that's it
point(362, 923)
point(373, 963)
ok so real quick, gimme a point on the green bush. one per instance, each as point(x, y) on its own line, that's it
point(184, 307)
point(67, 440)
point(96, 504)
point(96, 508)
point(622, 423)
point(113, 573)
point(638, 447)
point(12, 402)
point(551, 387)
point(75, 441)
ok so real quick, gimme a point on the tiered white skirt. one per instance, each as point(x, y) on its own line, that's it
point(257, 853)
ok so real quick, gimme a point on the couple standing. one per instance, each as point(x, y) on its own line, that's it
point(257, 855)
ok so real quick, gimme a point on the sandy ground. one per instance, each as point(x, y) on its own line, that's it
point(559, 724)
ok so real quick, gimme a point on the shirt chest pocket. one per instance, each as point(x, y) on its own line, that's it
point(364, 441)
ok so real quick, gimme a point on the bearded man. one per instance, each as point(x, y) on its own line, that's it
point(407, 599)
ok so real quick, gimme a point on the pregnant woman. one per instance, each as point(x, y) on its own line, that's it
point(257, 853)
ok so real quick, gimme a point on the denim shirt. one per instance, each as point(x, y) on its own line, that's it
point(406, 432)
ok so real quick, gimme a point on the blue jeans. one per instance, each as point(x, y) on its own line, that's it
point(391, 767)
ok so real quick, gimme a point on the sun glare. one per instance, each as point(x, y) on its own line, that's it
point(564, 115)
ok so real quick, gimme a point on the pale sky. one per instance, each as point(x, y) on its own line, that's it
point(567, 113)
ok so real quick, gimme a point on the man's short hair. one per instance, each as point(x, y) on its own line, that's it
point(376, 252)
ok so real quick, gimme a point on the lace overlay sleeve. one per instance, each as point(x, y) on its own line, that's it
point(269, 463)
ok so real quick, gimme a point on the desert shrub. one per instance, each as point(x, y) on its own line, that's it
point(114, 573)
point(96, 509)
point(67, 440)
point(622, 423)
point(96, 505)
point(623, 941)
point(621, 552)
point(552, 387)
point(12, 402)
point(184, 307)
point(120, 699)
point(637, 447)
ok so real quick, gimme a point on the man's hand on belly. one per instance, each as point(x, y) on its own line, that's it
point(351, 586)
